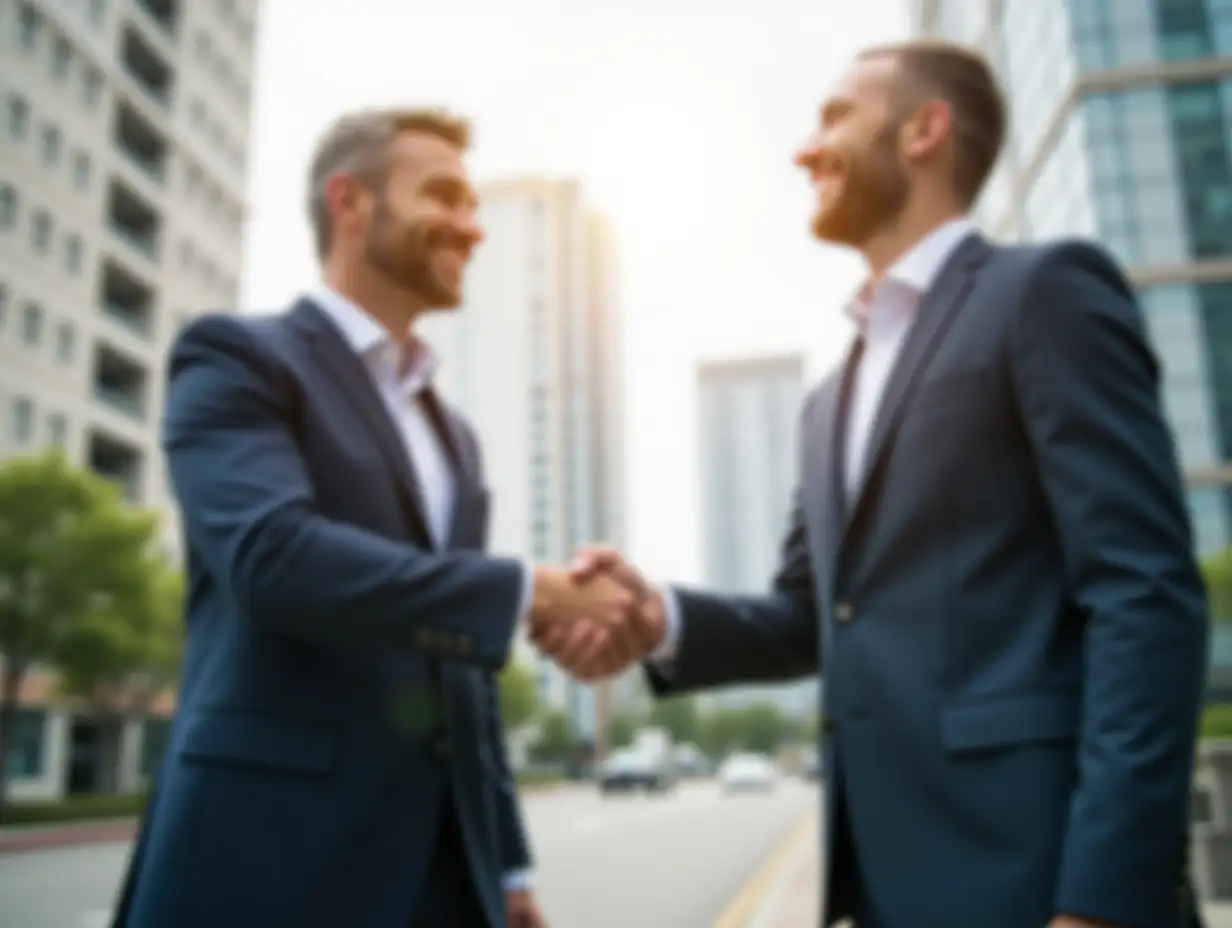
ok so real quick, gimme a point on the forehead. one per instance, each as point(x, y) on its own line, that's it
point(867, 80)
point(415, 153)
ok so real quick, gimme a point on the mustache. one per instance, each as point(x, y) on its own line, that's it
point(445, 238)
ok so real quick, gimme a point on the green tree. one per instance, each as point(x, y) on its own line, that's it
point(621, 727)
point(763, 728)
point(679, 716)
point(73, 558)
point(555, 739)
point(1217, 572)
point(519, 695)
point(720, 731)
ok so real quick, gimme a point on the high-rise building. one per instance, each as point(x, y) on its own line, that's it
point(1121, 131)
point(123, 154)
point(533, 358)
point(749, 415)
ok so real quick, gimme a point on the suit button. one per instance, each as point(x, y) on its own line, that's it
point(843, 612)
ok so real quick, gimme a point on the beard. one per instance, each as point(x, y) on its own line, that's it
point(872, 192)
point(403, 253)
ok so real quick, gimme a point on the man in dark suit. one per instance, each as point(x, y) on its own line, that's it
point(337, 757)
point(988, 556)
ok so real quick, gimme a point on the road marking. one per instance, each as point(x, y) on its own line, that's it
point(745, 903)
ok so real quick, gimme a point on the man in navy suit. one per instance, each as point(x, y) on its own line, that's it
point(988, 557)
point(337, 757)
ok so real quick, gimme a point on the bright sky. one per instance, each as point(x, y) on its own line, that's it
point(680, 118)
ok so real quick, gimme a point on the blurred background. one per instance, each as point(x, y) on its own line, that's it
point(640, 328)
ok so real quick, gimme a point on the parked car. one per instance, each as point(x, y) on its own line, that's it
point(742, 773)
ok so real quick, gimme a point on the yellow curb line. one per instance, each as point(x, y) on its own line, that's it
point(752, 893)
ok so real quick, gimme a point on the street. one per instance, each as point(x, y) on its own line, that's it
point(671, 862)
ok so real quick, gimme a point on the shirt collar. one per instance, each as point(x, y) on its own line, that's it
point(916, 270)
point(412, 362)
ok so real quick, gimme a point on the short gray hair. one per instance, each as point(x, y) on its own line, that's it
point(358, 143)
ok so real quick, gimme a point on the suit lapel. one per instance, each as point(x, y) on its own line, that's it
point(936, 311)
point(351, 378)
point(465, 467)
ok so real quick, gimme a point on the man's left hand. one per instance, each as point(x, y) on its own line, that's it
point(1070, 921)
point(521, 910)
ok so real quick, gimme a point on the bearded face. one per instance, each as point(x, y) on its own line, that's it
point(860, 189)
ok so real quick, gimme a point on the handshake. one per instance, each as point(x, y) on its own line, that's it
point(597, 617)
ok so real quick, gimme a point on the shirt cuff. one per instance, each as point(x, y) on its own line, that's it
point(665, 651)
point(528, 594)
point(515, 880)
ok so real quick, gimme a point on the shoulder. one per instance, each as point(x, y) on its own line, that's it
point(222, 335)
point(1037, 264)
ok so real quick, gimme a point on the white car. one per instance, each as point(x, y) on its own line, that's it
point(748, 773)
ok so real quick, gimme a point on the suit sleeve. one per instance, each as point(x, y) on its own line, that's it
point(1088, 388)
point(515, 848)
point(748, 639)
point(249, 514)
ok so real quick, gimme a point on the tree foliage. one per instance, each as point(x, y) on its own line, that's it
point(1217, 572)
point(519, 695)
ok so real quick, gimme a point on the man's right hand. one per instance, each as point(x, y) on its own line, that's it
point(591, 651)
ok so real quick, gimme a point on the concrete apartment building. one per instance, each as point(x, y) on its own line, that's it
point(1121, 131)
point(123, 158)
point(749, 412)
point(534, 359)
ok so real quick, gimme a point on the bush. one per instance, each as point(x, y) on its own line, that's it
point(75, 809)
point(1216, 722)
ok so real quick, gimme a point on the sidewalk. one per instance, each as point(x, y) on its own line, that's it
point(20, 839)
point(796, 902)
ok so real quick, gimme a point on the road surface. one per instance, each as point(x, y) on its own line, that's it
point(670, 862)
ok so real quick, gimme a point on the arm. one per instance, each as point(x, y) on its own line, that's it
point(716, 640)
point(516, 860)
point(1088, 389)
point(249, 514)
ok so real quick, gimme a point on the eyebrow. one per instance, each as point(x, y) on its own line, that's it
point(832, 108)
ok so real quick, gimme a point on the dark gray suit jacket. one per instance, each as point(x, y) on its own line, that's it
point(1009, 617)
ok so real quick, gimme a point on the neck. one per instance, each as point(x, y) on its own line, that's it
point(912, 225)
point(396, 308)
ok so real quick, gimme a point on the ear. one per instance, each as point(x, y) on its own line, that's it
point(927, 130)
point(348, 200)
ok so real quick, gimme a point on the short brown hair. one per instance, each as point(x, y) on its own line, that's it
point(358, 143)
point(965, 80)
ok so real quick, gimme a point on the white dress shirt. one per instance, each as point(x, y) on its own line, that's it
point(400, 374)
point(884, 310)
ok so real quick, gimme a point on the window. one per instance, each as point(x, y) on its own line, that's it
point(73, 250)
point(40, 231)
point(57, 430)
point(53, 143)
point(18, 116)
point(32, 324)
point(64, 343)
point(21, 420)
point(27, 26)
point(81, 171)
point(91, 87)
point(8, 206)
point(26, 749)
point(61, 58)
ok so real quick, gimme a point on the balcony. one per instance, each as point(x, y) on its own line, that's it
point(117, 461)
point(133, 220)
point(146, 67)
point(165, 14)
point(140, 142)
point(126, 300)
point(119, 382)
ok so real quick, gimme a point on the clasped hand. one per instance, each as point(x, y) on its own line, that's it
point(597, 617)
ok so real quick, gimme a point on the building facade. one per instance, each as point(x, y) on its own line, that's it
point(123, 159)
point(749, 413)
point(534, 359)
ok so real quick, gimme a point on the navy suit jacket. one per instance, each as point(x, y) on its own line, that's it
point(338, 674)
point(1009, 617)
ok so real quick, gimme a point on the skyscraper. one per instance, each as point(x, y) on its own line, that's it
point(749, 414)
point(534, 359)
point(1121, 131)
point(123, 155)
point(123, 161)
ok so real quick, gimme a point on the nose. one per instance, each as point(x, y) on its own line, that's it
point(467, 225)
point(809, 153)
